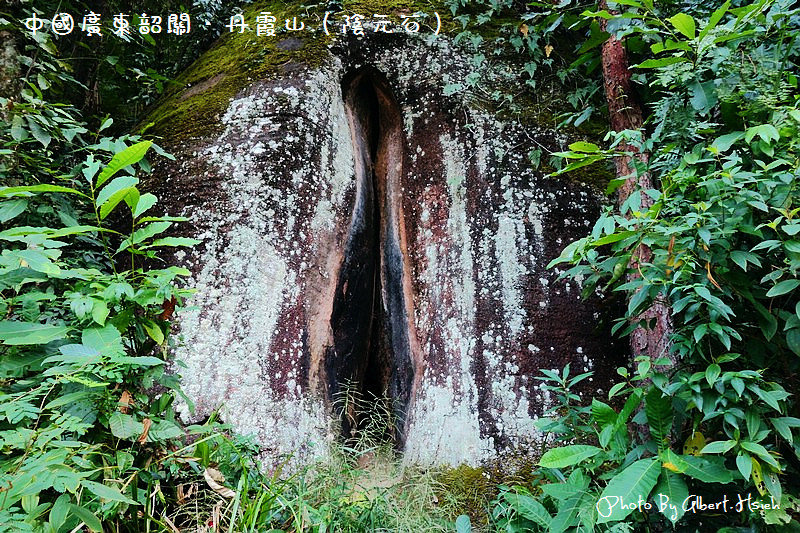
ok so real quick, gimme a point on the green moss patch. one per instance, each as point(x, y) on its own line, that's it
point(195, 101)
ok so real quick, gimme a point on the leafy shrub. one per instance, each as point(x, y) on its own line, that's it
point(714, 414)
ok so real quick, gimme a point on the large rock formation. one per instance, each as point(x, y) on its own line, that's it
point(362, 231)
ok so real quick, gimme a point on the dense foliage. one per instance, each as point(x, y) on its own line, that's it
point(713, 415)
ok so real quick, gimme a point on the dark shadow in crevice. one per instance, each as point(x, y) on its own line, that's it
point(370, 358)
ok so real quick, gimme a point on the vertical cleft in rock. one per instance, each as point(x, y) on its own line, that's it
point(370, 320)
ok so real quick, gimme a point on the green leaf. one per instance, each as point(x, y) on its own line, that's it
point(113, 193)
point(66, 399)
point(88, 518)
point(131, 155)
point(663, 62)
point(146, 201)
point(723, 143)
point(12, 208)
point(783, 287)
point(106, 340)
point(716, 16)
point(58, 513)
point(28, 333)
point(684, 24)
point(153, 331)
point(149, 231)
point(712, 373)
point(703, 97)
point(124, 426)
point(38, 133)
point(745, 465)
point(658, 409)
point(463, 524)
point(529, 508)
point(720, 446)
point(706, 469)
point(568, 455)
point(633, 483)
point(18, 130)
point(793, 340)
point(107, 493)
point(669, 495)
point(100, 312)
point(8, 191)
point(754, 447)
point(582, 146)
point(583, 162)
point(766, 132)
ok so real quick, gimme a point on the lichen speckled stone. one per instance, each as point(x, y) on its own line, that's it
point(272, 196)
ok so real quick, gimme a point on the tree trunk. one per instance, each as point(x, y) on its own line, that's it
point(625, 113)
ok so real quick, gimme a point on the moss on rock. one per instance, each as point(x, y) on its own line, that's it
point(193, 104)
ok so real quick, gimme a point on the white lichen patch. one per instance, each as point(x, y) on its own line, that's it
point(445, 430)
point(242, 353)
point(273, 238)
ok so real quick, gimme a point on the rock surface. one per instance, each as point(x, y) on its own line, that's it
point(361, 229)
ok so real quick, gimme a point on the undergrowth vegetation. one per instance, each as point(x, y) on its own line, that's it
point(713, 416)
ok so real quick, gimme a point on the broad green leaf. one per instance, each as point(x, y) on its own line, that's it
point(703, 96)
point(684, 24)
point(149, 231)
point(36, 260)
point(745, 465)
point(39, 133)
point(154, 331)
point(723, 143)
point(88, 518)
point(18, 130)
point(124, 426)
point(146, 201)
point(633, 483)
point(131, 155)
point(602, 413)
point(582, 146)
point(100, 312)
point(463, 524)
point(113, 193)
point(767, 133)
point(530, 509)
point(568, 511)
point(66, 399)
point(754, 447)
point(793, 340)
point(107, 493)
point(14, 333)
point(568, 455)
point(662, 62)
point(585, 161)
point(8, 191)
point(707, 469)
point(58, 513)
point(669, 495)
point(12, 208)
point(783, 287)
point(106, 340)
point(164, 430)
point(720, 446)
point(712, 373)
point(658, 409)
